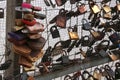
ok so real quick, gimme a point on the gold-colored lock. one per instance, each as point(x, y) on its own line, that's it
point(95, 9)
point(106, 8)
point(112, 56)
point(73, 35)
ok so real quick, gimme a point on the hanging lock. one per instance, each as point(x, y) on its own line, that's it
point(54, 31)
point(97, 74)
point(85, 24)
point(118, 5)
point(81, 7)
point(72, 34)
point(94, 7)
point(64, 58)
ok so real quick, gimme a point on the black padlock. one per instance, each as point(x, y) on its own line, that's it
point(85, 41)
point(54, 31)
point(1, 13)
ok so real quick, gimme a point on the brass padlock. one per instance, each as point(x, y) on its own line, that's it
point(1, 13)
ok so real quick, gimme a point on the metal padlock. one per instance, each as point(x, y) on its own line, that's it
point(85, 41)
point(81, 7)
point(110, 72)
point(118, 5)
point(54, 31)
point(113, 36)
point(73, 34)
point(64, 58)
point(94, 7)
point(97, 74)
point(106, 8)
point(85, 24)
point(1, 13)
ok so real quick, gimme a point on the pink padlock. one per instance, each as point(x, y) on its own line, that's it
point(27, 5)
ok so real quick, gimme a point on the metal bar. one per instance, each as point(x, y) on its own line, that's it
point(72, 69)
point(11, 15)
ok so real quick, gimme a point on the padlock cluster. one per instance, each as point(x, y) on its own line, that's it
point(25, 36)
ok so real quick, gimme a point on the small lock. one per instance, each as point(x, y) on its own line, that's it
point(54, 31)
point(81, 7)
point(1, 13)
point(72, 34)
point(94, 7)
point(118, 5)
point(85, 41)
point(85, 24)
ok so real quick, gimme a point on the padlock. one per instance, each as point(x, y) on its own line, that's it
point(64, 58)
point(54, 31)
point(94, 33)
point(117, 70)
point(81, 7)
point(85, 24)
point(72, 34)
point(118, 5)
point(102, 53)
point(86, 76)
point(107, 15)
point(113, 36)
point(57, 49)
point(1, 13)
point(106, 8)
point(94, 7)
point(113, 56)
point(97, 74)
point(85, 41)
point(110, 72)
point(89, 51)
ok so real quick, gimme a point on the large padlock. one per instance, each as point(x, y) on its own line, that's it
point(54, 31)
point(85, 24)
point(1, 13)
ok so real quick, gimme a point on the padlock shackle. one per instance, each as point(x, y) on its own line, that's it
point(83, 74)
point(79, 4)
point(97, 69)
point(117, 64)
point(84, 20)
